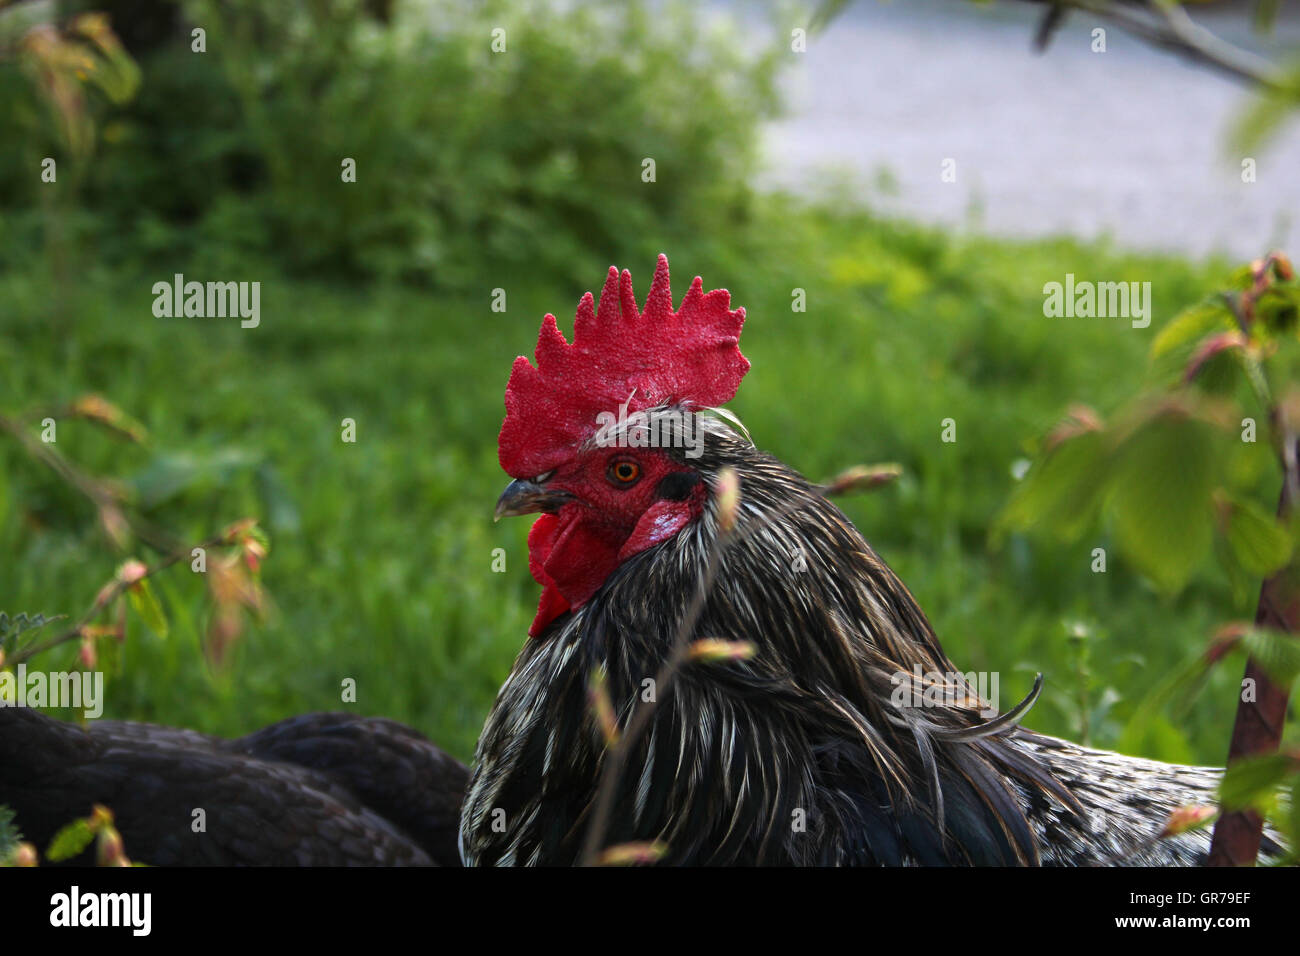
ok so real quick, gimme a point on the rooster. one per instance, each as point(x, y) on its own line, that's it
point(800, 753)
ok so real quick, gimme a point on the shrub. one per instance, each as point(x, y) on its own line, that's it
point(466, 159)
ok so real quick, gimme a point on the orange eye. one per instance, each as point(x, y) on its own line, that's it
point(624, 472)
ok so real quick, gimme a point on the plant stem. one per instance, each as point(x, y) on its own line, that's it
point(1257, 728)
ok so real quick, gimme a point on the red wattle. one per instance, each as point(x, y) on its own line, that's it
point(552, 604)
point(570, 560)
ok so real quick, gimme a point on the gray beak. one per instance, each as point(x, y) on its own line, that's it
point(524, 497)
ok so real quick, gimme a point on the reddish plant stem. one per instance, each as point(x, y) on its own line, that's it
point(1257, 728)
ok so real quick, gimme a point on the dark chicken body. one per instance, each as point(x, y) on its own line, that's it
point(315, 790)
point(740, 753)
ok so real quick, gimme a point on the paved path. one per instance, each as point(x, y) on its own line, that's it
point(1130, 143)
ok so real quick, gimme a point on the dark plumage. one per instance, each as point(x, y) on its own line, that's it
point(741, 753)
point(319, 789)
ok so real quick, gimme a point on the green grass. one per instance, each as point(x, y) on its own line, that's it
point(380, 568)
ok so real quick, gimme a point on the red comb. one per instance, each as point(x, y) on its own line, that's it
point(690, 357)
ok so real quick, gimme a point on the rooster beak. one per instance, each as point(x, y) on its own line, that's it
point(524, 497)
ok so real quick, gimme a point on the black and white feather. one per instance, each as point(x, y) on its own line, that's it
point(798, 755)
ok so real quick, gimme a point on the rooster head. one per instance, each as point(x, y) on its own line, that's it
point(589, 430)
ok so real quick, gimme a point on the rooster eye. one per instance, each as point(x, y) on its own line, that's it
point(624, 472)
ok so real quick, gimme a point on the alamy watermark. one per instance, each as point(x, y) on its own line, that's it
point(942, 689)
point(79, 690)
point(208, 300)
point(133, 911)
point(656, 428)
point(1102, 300)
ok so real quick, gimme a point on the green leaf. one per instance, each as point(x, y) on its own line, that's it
point(1259, 123)
point(70, 841)
point(1160, 495)
point(1192, 324)
point(1150, 728)
point(10, 836)
point(1244, 585)
point(146, 605)
point(1259, 543)
point(1278, 308)
point(1250, 781)
point(1062, 490)
point(1278, 653)
point(825, 12)
point(1265, 15)
point(1217, 363)
point(4, 497)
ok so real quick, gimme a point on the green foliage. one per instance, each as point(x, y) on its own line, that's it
point(1255, 782)
point(1175, 469)
point(1277, 653)
point(1153, 473)
point(1064, 489)
point(523, 171)
point(1186, 461)
point(1292, 826)
point(10, 836)
point(1161, 478)
point(1260, 122)
point(12, 628)
point(63, 77)
point(1191, 325)
point(1086, 696)
point(70, 840)
point(146, 605)
point(381, 569)
point(1256, 541)
point(530, 157)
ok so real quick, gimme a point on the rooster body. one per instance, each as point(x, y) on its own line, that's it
point(796, 756)
point(800, 754)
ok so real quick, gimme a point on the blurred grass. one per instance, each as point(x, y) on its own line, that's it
point(382, 550)
point(520, 172)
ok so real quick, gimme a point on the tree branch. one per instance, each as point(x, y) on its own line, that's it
point(1165, 24)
